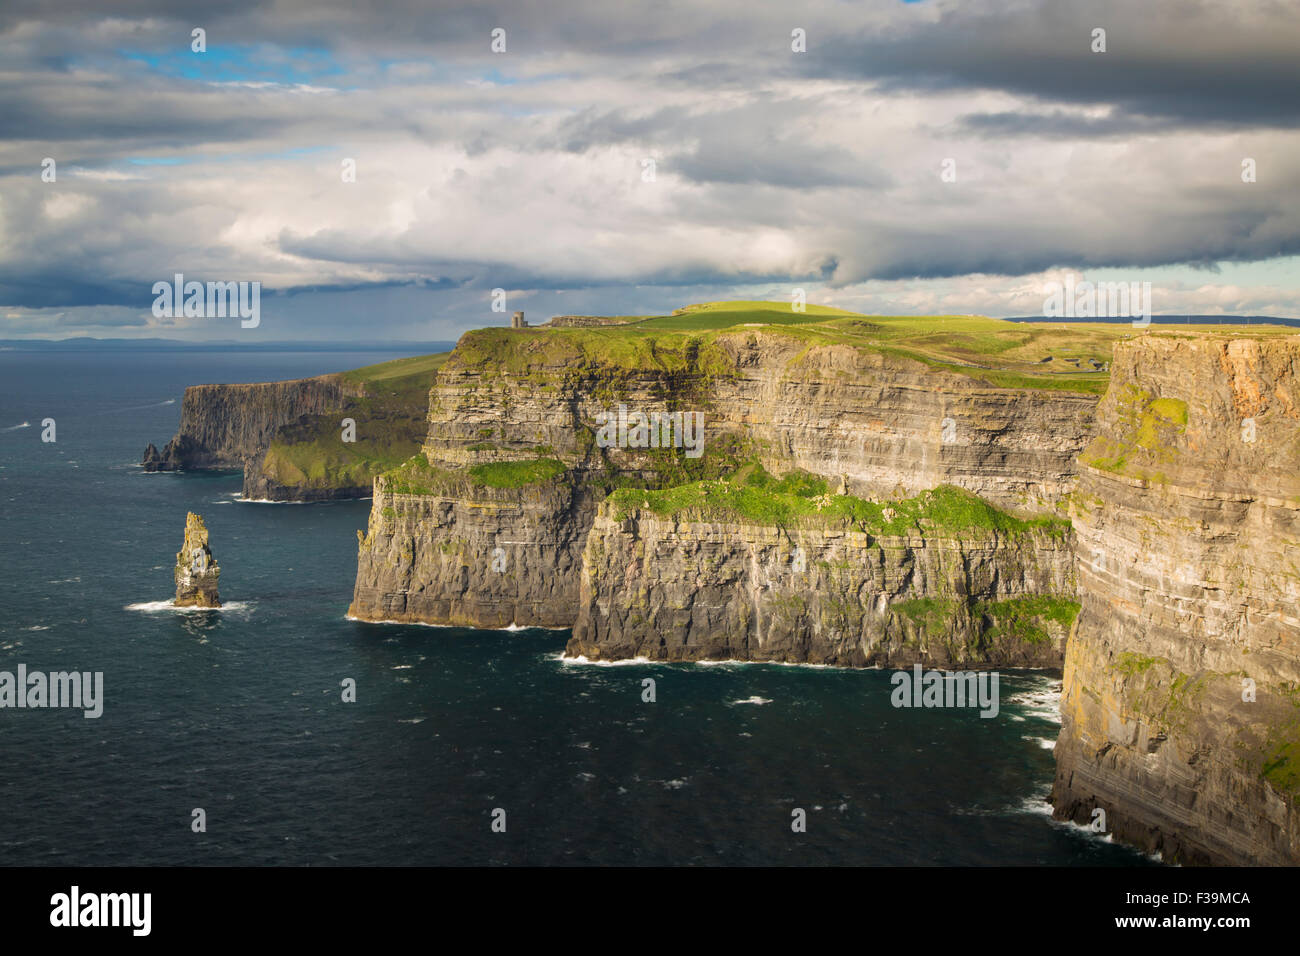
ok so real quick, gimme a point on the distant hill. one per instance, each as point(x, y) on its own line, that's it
point(1172, 320)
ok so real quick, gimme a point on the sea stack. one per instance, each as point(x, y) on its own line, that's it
point(196, 568)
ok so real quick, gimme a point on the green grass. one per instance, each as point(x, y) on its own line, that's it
point(699, 341)
point(1145, 437)
point(756, 496)
point(1130, 664)
point(1173, 410)
point(390, 415)
point(711, 316)
point(419, 365)
point(930, 613)
point(1282, 766)
point(659, 468)
point(516, 474)
point(416, 476)
point(1023, 618)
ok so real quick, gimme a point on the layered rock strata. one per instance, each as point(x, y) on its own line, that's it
point(665, 588)
point(876, 423)
point(1181, 704)
point(884, 423)
point(473, 556)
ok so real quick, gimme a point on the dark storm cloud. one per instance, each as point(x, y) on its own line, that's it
point(1193, 63)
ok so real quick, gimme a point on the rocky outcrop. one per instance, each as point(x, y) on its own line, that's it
point(229, 426)
point(672, 588)
point(261, 484)
point(196, 570)
point(1181, 700)
point(875, 422)
point(471, 555)
point(312, 439)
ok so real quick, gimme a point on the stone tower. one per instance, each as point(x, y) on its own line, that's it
point(196, 569)
point(517, 321)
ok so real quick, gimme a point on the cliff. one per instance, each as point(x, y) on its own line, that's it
point(1181, 701)
point(939, 580)
point(830, 395)
point(883, 421)
point(224, 426)
point(290, 437)
point(445, 549)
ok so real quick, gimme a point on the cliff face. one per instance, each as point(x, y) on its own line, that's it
point(227, 426)
point(892, 425)
point(477, 557)
point(309, 439)
point(874, 423)
point(1181, 711)
point(885, 423)
point(671, 589)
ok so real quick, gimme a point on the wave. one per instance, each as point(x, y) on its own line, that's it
point(754, 700)
point(736, 663)
point(629, 661)
point(155, 607)
point(1089, 833)
point(1042, 702)
point(624, 662)
point(14, 428)
point(447, 627)
point(273, 501)
point(134, 408)
point(455, 627)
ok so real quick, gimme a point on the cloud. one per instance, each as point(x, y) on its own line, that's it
point(525, 170)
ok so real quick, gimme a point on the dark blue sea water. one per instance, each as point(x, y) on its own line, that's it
point(239, 712)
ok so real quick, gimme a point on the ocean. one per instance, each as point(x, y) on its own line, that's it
point(239, 713)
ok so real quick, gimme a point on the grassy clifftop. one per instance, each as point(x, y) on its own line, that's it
point(1068, 356)
point(311, 454)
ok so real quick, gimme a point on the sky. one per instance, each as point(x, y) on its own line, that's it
point(939, 156)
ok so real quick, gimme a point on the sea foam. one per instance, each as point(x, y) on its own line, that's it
point(157, 607)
